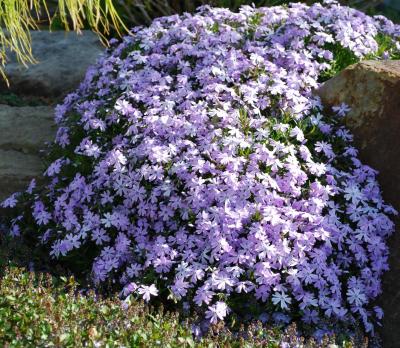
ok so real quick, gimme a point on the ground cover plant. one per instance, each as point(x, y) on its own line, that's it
point(194, 166)
point(37, 310)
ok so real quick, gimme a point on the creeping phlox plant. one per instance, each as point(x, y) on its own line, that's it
point(198, 166)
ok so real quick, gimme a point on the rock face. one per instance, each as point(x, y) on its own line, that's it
point(23, 132)
point(372, 90)
point(63, 58)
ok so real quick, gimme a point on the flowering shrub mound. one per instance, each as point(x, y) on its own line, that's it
point(193, 163)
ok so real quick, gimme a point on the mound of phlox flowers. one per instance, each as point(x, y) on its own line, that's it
point(194, 164)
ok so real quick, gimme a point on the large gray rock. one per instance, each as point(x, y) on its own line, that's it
point(63, 58)
point(23, 133)
point(372, 90)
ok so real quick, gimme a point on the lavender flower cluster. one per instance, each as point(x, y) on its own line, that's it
point(196, 162)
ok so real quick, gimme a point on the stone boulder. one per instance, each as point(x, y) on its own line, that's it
point(372, 90)
point(23, 133)
point(63, 58)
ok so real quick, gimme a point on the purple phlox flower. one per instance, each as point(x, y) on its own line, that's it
point(10, 202)
point(180, 288)
point(341, 110)
point(147, 291)
point(298, 134)
point(281, 299)
point(356, 297)
point(203, 295)
point(129, 288)
point(217, 312)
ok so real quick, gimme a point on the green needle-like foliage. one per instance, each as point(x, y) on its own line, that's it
point(17, 17)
